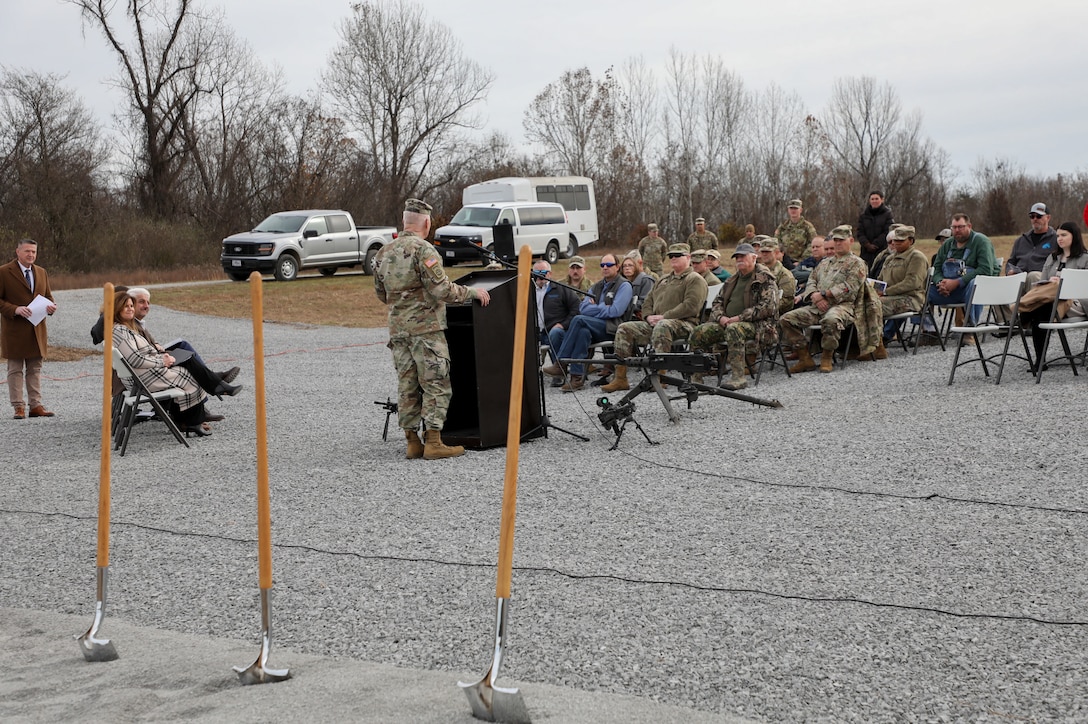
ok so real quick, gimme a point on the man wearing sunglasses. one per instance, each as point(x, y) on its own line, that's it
point(1034, 247)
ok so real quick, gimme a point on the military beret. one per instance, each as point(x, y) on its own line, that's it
point(842, 232)
point(796, 204)
point(651, 227)
point(903, 232)
point(416, 206)
point(681, 249)
point(769, 243)
point(577, 261)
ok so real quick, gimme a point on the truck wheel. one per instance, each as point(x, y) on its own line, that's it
point(328, 271)
point(237, 276)
point(368, 261)
point(572, 247)
point(287, 268)
point(551, 254)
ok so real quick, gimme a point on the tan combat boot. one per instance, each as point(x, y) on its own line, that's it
point(435, 449)
point(804, 361)
point(619, 381)
point(827, 360)
point(415, 446)
point(880, 352)
point(736, 381)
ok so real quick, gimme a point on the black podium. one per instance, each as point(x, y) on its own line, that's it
point(481, 342)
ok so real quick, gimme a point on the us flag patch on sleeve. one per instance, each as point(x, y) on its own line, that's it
point(430, 262)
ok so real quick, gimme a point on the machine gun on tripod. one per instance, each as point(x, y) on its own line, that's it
point(655, 365)
point(391, 409)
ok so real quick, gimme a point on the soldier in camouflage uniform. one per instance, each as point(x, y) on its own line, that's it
point(831, 289)
point(653, 250)
point(744, 311)
point(701, 238)
point(670, 312)
point(795, 233)
point(906, 272)
point(769, 253)
point(408, 276)
point(699, 264)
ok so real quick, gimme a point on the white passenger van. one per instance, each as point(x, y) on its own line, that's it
point(542, 226)
point(573, 193)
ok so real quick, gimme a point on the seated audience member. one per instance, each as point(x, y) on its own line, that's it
point(209, 380)
point(576, 274)
point(906, 272)
point(806, 265)
point(1034, 248)
point(770, 256)
point(555, 307)
point(831, 289)
point(698, 263)
point(641, 283)
point(714, 264)
point(878, 262)
point(98, 329)
point(602, 310)
point(1068, 254)
point(745, 310)
point(959, 260)
point(156, 369)
point(670, 312)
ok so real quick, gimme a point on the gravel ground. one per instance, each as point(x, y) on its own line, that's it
point(883, 548)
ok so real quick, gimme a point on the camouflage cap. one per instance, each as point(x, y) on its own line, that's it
point(577, 261)
point(416, 206)
point(796, 204)
point(679, 250)
point(698, 255)
point(651, 227)
point(903, 233)
point(743, 249)
point(700, 220)
point(713, 253)
point(759, 238)
point(633, 254)
point(769, 243)
point(842, 232)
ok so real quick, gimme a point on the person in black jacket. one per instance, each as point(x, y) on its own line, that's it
point(555, 305)
point(872, 228)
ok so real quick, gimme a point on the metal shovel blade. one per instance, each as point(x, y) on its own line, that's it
point(258, 672)
point(490, 702)
point(93, 647)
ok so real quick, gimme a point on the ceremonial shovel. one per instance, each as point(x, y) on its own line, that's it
point(93, 647)
point(490, 702)
point(258, 672)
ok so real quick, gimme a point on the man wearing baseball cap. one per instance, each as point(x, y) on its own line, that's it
point(1031, 250)
point(653, 249)
point(745, 310)
point(576, 274)
point(701, 238)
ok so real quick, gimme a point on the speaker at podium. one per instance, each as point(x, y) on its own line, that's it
point(481, 342)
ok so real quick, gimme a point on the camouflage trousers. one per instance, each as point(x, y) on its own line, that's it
point(660, 335)
point(898, 305)
point(423, 386)
point(832, 323)
point(735, 337)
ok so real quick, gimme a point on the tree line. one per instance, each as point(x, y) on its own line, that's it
point(209, 142)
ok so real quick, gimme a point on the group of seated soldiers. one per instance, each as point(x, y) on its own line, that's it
point(832, 289)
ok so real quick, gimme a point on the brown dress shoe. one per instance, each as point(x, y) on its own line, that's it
point(552, 370)
point(574, 382)
point(39, 411)
point(20, 412)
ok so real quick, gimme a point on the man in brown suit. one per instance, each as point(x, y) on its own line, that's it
point(22, 344)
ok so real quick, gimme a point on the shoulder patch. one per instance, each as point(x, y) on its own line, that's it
point(430, 262)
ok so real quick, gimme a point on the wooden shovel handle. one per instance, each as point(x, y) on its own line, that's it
point(264, 506)
point(103, 552)
point(513, 427)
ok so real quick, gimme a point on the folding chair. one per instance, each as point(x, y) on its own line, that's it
point(905, 340)
point(1073, 285)
point(843, 350)
point(944, 327)
point(992, 292)
point(136, 393)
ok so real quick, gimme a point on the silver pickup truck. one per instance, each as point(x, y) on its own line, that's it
point(289, 241)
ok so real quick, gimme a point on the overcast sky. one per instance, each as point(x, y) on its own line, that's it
point(993, 78)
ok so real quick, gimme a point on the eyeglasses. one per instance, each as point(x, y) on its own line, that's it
point(676, 256)
point(1035, 216)
point(959, 226)
point(605, 264)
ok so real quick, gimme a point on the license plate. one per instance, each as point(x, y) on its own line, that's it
point(449, 254)
point(236, 262)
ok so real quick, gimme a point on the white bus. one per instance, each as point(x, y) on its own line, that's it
point(574, 193)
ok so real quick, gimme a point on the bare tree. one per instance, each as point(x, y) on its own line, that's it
point(402, 83)
point(51, 153)
point(573, 120)
point(860, 122)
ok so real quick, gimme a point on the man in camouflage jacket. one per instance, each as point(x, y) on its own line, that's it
point(408, 276)
point(653, 250)
point(795, 233)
